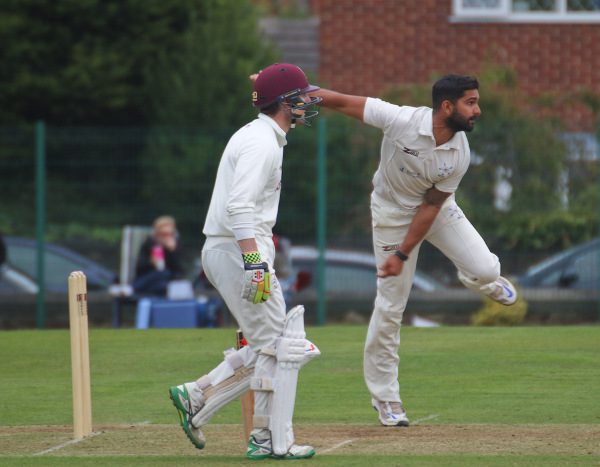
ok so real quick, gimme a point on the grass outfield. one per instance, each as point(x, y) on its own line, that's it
point(476, 396)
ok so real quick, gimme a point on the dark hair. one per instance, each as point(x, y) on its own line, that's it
point(451, 88)
point(270, 109)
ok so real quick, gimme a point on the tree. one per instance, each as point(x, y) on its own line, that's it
point(95, 69)
point(84, 62)
point(512, 140)
point(200, 94)
point(205, 81)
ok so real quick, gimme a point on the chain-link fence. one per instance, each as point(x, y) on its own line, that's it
point(97, 180)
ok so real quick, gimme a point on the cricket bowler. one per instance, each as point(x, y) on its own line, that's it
point(424, 155)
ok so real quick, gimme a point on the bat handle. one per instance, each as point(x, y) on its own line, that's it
point(247, 399)
point(240, 340)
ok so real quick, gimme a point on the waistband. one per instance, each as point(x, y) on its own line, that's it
point(382, 199)
point(213, 240)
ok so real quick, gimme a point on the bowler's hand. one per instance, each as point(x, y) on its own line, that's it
point(391, 267)
point(253, 77)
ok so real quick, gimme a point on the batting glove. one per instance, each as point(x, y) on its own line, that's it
point(257, 278)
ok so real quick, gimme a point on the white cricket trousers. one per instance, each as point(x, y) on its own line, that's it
point(457, 239)
point(223, 265)
point(262, 323)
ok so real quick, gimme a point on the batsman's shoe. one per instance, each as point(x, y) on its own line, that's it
point(258, 450)
point(187, 399)
point(390, 413)
point(503, 292)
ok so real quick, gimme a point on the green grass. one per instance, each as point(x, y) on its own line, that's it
point(448, 376)
point(403, 461)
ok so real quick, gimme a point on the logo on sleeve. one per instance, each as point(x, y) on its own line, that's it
point(445, 171)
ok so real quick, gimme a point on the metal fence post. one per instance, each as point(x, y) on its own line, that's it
point(321, 218)
point(40, 189)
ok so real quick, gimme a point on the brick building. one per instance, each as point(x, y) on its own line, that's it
point(366, 46)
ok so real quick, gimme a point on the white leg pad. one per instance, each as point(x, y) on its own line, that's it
point(293, 350)
point(262, 385)
point(229, 380)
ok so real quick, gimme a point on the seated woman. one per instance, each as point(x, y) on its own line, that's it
point(158, 261)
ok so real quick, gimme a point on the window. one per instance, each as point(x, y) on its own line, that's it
point(565, 11)
point(481, 8)
point(573, 268)
point(585, 268)
point(581, 146)
point(57, 267)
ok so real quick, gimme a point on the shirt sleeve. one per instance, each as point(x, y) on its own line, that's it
point(144, 262)
point(390, 118)
point(173, 261)
point(252, 170)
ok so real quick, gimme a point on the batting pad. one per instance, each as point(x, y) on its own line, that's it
point(291, 353)
point(229, 380)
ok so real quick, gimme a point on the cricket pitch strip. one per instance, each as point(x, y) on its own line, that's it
point(328, 439)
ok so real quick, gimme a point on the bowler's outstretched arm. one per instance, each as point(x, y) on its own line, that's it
point(352, 106)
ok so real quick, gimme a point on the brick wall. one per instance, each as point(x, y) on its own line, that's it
point(369, 45)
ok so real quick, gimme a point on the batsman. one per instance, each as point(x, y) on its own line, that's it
point(237, 258)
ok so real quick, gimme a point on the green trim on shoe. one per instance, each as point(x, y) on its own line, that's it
point(257, 452)
point(175, 393)
point(289, 456)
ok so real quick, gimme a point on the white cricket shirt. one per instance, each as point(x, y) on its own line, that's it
point(410, 161)
point(248, 183)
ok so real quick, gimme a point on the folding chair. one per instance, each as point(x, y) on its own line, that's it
point(131, 241)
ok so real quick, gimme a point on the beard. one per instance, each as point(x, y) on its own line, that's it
point(456, 122)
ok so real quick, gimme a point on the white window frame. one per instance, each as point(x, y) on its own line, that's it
point(500, 11)
point(504, 13)
point(582, 146)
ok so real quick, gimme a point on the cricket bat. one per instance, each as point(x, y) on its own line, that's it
point(247, 399)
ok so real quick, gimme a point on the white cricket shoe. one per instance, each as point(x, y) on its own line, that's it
point(503, 292)
point(390, 413)
point(189, 400)
point(262, 450)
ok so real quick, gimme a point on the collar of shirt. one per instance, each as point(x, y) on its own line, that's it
point(426, 129)
point(281, 139)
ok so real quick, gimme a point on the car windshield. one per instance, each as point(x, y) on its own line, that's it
point(57, 268)
point(548, 262)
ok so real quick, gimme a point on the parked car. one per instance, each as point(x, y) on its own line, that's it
point(13, 281)
point(349, 270)
point(350, 276)
point(19, 287)
point(59, 263)
point(350, 281)
point(575, 268)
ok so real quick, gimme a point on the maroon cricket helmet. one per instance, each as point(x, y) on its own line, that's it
point(279, 82)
